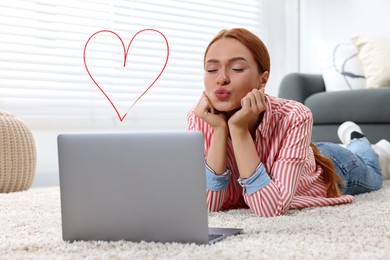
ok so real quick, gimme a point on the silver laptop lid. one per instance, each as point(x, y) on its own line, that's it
point(133, 186)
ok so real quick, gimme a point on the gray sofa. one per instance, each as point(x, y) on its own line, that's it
point(369, 108)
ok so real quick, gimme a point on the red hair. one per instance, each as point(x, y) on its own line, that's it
point(250, 41)
point(332, 179)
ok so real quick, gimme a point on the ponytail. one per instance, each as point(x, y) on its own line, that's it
point(332, 179)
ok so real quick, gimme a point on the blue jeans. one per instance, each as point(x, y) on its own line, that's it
point(357, 164)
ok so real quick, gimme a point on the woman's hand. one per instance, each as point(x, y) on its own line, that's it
point(252, 105)
point(207, 113)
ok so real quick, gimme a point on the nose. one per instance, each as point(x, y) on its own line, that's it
point(223, 78)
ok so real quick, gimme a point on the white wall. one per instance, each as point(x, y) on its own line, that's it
point(47, 160)
point(338, 21)
point(281, 40)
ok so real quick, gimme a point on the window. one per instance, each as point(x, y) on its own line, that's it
point(44, 82)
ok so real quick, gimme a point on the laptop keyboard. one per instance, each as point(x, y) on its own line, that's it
point(213, 236)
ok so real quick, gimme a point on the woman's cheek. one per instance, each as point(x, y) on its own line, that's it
point(208, 90)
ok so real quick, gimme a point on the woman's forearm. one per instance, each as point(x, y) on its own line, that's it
point(244, 151)
point(216, 157)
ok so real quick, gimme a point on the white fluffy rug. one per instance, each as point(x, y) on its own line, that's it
point(30, 227)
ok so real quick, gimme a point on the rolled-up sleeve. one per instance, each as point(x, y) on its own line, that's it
point(216, 182)
point(256, 182)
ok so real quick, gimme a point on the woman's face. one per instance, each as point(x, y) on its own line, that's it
point(230, 73)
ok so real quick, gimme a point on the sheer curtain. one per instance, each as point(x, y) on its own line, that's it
point(43, 79)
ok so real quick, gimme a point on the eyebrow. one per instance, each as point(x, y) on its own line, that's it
point(230, 60)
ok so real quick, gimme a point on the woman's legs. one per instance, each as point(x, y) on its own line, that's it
point(357, 164)
point(350, 131)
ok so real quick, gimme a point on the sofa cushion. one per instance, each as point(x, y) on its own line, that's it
point(340, 65)
point(374, 54)
point(360, 106)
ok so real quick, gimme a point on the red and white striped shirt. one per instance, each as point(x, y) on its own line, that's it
point(283, 144)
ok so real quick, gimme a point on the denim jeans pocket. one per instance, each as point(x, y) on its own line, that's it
point(357, 177)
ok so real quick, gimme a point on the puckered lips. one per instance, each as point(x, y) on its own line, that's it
point(222, 94)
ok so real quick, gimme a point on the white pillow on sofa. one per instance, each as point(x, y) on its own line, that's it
point(374, 54)
point(341, 67)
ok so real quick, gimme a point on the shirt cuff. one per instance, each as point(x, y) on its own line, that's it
point(216, 182)
point(257, 181)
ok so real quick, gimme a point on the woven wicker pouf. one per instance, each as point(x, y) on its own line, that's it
point(17, 154)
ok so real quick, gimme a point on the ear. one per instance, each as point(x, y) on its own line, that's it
point(264, 77)
point(263, 80)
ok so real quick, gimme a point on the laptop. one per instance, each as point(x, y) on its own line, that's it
point(147, 186)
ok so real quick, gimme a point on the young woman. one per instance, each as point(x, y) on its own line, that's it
point(258, 152)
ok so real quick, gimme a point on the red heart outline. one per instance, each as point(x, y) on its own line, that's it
point(125, 52)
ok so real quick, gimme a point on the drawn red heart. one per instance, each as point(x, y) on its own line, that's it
point(125, 52)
